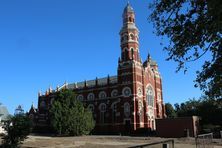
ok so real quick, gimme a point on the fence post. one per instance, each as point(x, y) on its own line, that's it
point(166, 145)
point(204, 140)
point(221, 135)
point(196, 141)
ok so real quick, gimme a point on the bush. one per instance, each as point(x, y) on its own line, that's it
point(17, 129)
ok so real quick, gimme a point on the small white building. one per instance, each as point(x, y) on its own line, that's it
point(3, 116)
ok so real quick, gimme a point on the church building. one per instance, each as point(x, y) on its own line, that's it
point(124, 103)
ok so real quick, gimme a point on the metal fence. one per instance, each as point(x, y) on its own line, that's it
point(204, 141)
point(160, 144)
point(221, 135)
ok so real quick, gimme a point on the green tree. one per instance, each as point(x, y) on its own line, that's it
point(188, 108)
point(170, 112)
point(210, 110)
point(68, 115)
point(17, 129)
point(57, 117)
point(194, 28)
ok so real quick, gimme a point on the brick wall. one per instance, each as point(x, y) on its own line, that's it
point(175, 127)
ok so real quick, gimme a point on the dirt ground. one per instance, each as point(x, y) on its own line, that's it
point(35, 141)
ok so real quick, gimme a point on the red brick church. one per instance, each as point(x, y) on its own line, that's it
point(129, 101)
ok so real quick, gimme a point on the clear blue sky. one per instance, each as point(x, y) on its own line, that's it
point(47, 42)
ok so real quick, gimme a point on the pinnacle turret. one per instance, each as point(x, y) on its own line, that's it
point(128, 8)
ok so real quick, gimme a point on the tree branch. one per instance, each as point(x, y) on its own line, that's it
point(200, 55)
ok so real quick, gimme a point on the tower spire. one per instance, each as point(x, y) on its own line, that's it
point(129, 36)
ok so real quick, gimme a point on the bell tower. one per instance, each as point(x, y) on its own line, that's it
point(130, 69)
point(130, 63)
point(129, 35)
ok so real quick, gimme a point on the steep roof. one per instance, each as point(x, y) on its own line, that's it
point(128, 8)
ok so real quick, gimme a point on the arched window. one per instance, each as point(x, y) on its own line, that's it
point(132, 37)
point(127, 109)
point(124, 53)
point(140, 106)
point(125, 49)
point(139, 92)
point(132, 50)
point(114, 93)
point(150, 96)
point(102, 109)
point(90, 96)
point(130, 19)
point(114, 110)
point(42, 104)
point(102, 95)
point(126, 91)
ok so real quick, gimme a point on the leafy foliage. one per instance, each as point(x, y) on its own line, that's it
point(17, 129)
point(209, 110)
point(188, 108)
point(194, 28)
point(170, 112)
point(68, 115)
